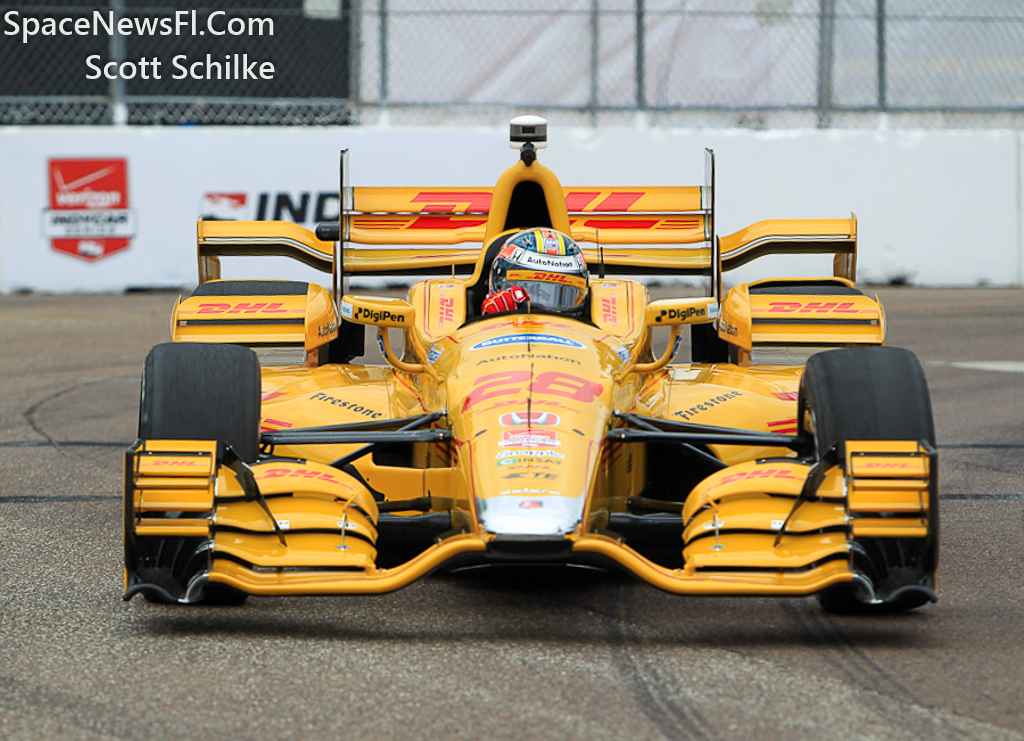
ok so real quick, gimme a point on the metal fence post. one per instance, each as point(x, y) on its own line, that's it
point(641, 97)
point(883, 103)
point(594, 59)
point(826, 46)
point(383, 61)
point(355, 55)
point(118, 106)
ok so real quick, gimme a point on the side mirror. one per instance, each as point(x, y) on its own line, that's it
point(669, 312)
point(377, 311)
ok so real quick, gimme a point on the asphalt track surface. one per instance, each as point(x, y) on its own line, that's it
point(548, 653)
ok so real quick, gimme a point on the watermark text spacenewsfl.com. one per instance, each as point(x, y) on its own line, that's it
point(179, 23)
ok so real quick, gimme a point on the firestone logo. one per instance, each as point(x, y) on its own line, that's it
point(89, 215)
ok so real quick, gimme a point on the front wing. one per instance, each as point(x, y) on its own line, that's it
point(780, 527)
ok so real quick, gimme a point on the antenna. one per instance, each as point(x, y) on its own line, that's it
point(528, 130)
point(528, 134)
point(600, 254)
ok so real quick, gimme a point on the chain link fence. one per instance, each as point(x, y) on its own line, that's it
point(179, 62)
point(754, 63)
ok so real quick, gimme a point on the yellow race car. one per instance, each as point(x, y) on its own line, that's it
point(793, 454)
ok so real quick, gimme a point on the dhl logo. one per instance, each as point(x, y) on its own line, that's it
point(543, 276)
point(758, 473)
point(179, 463)
point(247, 308)
point(609, 311)
point(276, 473)
point(479, 201)
point(403, 223)
point(446, 311)
point(579, 200)
point(456, 222)
point(447, 202)
point(641, 223)
point(816, 307)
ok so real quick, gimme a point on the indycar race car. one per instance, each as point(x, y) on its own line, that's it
point(794, 454)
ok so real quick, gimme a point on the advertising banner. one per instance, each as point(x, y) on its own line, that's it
point(115, 208)
point(109, 209)
point(88, 215)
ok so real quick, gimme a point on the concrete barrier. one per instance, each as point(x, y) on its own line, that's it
point(110, 208)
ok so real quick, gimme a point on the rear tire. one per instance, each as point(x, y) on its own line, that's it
point(194, 391)
point(873, 393)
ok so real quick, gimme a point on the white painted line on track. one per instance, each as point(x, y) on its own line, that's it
point(1001, 366)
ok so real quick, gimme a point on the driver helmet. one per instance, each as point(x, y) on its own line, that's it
point(545, 263)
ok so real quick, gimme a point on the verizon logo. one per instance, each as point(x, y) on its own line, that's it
point(89, 215)
point(77, 194)
point(88, 199)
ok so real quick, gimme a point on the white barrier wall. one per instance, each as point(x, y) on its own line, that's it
point(104, 209)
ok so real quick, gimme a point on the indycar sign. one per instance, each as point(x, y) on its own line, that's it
point(88, 215)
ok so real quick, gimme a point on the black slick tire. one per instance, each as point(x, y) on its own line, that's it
point(194, 391)
point(872, 393)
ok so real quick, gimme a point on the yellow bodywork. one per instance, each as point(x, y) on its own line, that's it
point(307, 321)
point(527, 401)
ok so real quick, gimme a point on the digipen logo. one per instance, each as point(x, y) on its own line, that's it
point(89, 215)
point(680, 314)
point(375, 316)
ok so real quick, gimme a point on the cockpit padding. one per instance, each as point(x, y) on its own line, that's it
point(478, 290)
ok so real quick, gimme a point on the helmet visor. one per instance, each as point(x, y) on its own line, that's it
point(547, 290)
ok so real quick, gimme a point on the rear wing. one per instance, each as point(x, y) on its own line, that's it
point(666, 230)
point(409, 231)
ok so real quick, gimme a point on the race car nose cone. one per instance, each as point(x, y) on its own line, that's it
point(529, 513)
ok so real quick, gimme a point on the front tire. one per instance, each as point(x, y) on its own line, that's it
point(873, 393)
point(864, 393)
point(194, 391)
